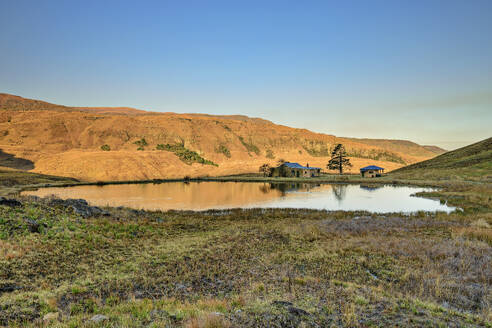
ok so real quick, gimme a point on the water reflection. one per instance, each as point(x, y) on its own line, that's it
point(370, 187)
point(285, 188)
point(206, 195)
point(339, 191)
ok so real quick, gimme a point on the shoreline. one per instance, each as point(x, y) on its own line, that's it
point(333, 179)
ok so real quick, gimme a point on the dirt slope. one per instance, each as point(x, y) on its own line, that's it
point(67, 141)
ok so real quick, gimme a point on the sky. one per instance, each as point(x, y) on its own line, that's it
point(415, 70)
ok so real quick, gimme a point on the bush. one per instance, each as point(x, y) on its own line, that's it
point(185, 155)
point(250, 147)
point(269, 154)
point(105, 148)
point(141, 144)
point(223, 150)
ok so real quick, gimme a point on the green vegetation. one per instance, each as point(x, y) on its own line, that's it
point(246, 268)
point(105, 148)
point(338, 160)
point(472, 163)
point(254, 267)
point(250, 147)
point(141, 144)
point(221, 149)
point(270, 154)
point(185, 155)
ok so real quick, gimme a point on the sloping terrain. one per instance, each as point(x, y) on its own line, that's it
point(473, 162)
point(121, 143)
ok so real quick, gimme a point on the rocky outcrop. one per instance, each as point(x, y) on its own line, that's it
point(80, 207)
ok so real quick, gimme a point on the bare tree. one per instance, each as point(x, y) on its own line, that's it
point(339, 159)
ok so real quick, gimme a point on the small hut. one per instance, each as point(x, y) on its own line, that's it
point(371, 171)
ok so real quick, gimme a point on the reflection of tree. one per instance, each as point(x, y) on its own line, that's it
point(265, 188)
point(282, 187)
point(339, 191)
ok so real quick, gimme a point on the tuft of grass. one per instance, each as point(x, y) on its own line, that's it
point(210, 320)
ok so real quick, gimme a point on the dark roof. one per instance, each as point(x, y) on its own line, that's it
point(371, 167)
point(298, 166)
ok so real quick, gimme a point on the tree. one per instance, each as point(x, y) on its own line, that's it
point(265, 169)
point(339, 159)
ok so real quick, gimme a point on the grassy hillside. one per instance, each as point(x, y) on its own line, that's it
point(12, 179)
point(127, 144)
point(473, 162)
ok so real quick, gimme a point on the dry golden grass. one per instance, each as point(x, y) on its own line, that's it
point(9, 251)
point(67, 142)
point(210, 320)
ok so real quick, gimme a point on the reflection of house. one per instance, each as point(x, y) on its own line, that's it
point(371, 171)
point(295, 170)
point(370, 187)
point(293, 186)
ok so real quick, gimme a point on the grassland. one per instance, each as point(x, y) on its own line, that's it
point(249, 268)
point(471, 163)
point(277, 268)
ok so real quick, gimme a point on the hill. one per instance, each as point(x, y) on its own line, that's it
point(473, 162)
point(121, 143)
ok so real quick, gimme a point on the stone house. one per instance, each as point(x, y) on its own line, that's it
point(295, 170)
point(371, 171)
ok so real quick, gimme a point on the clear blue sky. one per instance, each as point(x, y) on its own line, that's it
point(417, 70)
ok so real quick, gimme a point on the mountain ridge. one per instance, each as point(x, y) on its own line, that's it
point(69, 141)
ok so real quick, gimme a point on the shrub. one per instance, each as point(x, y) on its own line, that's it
point(105, 148)
point(185, 155)
point(269, 154)
point(250, 147)
point(141, 143)
point(223, 150)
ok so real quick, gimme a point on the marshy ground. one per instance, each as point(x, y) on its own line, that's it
point(62, 266)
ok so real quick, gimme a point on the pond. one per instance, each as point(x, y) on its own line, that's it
point(221, 195)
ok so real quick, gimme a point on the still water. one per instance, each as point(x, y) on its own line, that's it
point(220, 195)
